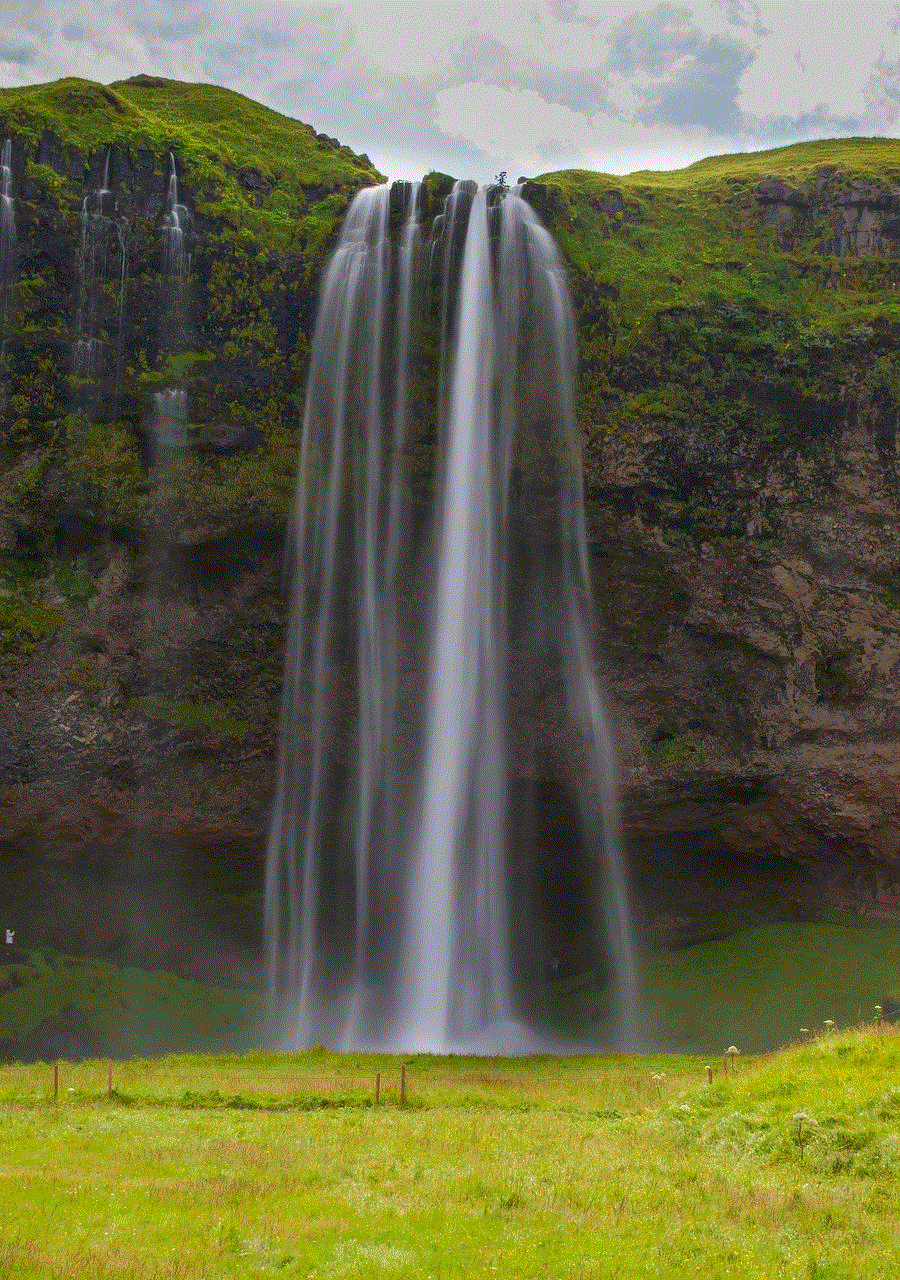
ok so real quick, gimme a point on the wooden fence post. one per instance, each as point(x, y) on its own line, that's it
point(709, 1075)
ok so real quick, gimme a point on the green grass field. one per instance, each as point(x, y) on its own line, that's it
point(755, 988)
point(267, 1165)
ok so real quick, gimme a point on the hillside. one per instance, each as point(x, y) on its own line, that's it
point(739, 328)
point(265, 194)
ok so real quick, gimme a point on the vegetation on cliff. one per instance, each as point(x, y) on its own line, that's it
point(749, 299)
point(265, 194)
point(747, 302)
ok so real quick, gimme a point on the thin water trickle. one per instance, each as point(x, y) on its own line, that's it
point(176, 265)
point(98, 344)
point(430, 617)
point(7, 248)
point(168, 424)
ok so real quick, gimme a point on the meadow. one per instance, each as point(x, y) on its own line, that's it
point(284, 1165)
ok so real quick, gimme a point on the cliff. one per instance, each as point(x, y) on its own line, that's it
point(739, 388)
point(740, 333)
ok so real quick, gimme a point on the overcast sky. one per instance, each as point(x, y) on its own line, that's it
point(473, 87)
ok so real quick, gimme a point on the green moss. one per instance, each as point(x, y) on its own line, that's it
point(670, 747)
point(217, 717)
point(81, 675)
point(73, 583)
point(24, 622)
point(24, 625)
point(104, 470)
point(711, 317)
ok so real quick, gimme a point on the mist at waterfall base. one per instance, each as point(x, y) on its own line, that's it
point(439, 663)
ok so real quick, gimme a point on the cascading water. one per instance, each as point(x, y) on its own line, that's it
point(7, 239)
point(99, 345)
point(7, 254)
point(170, 407)
point(431, 622)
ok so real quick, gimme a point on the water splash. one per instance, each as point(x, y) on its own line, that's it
point(390, 906)
point(169, 431)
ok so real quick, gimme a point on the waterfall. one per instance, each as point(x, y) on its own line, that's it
point(169, 430)
point(176, 263)
point(455, 959)
point(7, 247)
point(170, 407)
point(99, 343)
point(431, 618)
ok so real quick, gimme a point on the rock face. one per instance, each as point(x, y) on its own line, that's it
point(757, 683)
point(859, 218)
point(742, 493)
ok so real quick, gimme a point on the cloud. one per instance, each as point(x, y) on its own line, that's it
point(517, 124)
point(18, 55)
point(649, 43)
point(882, 93)
point(474, 88)
point(703, 90)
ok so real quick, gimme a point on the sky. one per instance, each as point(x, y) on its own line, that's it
point(475, 87)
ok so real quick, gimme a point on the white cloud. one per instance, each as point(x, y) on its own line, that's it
point(463, 85)
point(515, 123)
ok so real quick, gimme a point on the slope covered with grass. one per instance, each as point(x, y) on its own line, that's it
point(263, 197)
point(58, 1006)
point(744, 296)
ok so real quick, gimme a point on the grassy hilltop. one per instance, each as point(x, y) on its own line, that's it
point(216, 135)
point(266, 195)
point(744, 296)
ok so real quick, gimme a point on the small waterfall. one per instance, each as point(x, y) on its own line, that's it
point(170, 407)
point(176, 264)
point(169, 430)
point(391, 913)
point(7, 249)
point(168, 434)
point(99, 344)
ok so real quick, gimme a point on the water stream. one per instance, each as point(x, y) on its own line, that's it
point(99, 342)
point(7, 250)
point(168, 428)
